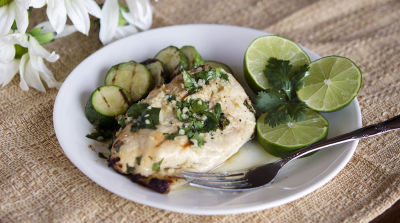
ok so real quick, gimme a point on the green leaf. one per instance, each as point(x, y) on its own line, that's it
point(269, 99)
point(101, 135)
point(277, 73)
point(138, 160)
point(199, 139)
point(144, 116)
point(296, 111)
point(218, 111)
point(19, 51)
point(298, 78)
point(101, 155)
point(190, 83)
point(156, 166)
point(121, 121)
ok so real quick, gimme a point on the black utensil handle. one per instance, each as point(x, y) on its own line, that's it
point(365, 132)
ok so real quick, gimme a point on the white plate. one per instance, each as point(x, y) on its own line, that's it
point(214, 42)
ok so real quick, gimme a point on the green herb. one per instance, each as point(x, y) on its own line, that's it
point(117, 146)
point(171, 97)
point(101, 155)
point(223, 122)
point(194, 82)
point(138, 160)
point(197, 118)
point(121, 121)
point(144, 116)
point(280, 101)
point(101, 135)
point(130, 169)
point(156, 166)
point(249, 106)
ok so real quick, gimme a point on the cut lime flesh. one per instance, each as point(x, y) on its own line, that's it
point(265, 47)
point(285, 138)
point(332, 83)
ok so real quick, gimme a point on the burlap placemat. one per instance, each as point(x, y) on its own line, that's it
point(39, 184)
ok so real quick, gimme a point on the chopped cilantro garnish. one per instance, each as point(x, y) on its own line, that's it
point(156, 166)
point(280, 101)
point(197, 118)
point(193, 82)
point(138, 160)
point(144, 116)
point(249, 106)
point(101, 135)
point(130, 169)
point(101, 155)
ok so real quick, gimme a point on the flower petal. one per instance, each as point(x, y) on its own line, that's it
point(44, 72)
point(35, 49)
point(21, 15)
point(140, 13)
point(37, 3)
point(78, 14)
point(7, 52)
point(7, 14)
point(8, 71)
point(57, 14)
point(109, 20)
point(123, 31)
point(46, 28)
point(31, 76)
point(93, 8)
point(22, 67)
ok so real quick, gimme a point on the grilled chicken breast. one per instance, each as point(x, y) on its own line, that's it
point(137, 152)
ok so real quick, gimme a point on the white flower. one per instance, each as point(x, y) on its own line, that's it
point(139, 16)
point(15, 10)
point(140, 13)
point(77, 10)
point(31, 67)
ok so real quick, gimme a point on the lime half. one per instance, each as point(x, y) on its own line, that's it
point(285, 138)
point(332, 83)
point(265, 47)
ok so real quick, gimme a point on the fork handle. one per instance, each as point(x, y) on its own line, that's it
point(365, 132)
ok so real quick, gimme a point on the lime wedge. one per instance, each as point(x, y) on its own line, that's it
point(332, 83)
point(285, 138)
point(265, 47)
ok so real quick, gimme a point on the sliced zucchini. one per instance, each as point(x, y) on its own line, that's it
point(174, 61)
point(216, 64)
point(156, 70)
point(131, 76)
point(193, 56)
point(105, 103)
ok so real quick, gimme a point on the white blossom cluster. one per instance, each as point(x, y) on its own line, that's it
point(21, 51)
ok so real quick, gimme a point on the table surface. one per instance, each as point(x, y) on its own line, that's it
point(39, 184)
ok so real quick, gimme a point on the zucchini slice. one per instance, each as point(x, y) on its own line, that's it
point(193, 56)
point(174, 60)
point(105, 103)
point(131, 76)
point(156, 70)
point(216, 64)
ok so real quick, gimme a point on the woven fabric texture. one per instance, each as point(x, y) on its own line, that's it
point(39, 184)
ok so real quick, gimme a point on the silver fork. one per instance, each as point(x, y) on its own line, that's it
point(263, 175)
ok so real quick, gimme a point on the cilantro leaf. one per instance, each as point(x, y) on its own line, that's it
point(277, 73)
point(156, 166)
point(269, 99)
point(190, 83)
point(298, 78)
point(144, 116)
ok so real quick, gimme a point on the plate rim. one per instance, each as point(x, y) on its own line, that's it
point(198, 211)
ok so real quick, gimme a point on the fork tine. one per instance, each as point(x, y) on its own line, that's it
point(196, 174)
point(222, 179)
point(219, 186)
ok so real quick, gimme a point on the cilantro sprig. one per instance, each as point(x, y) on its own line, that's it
point(280, 100)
